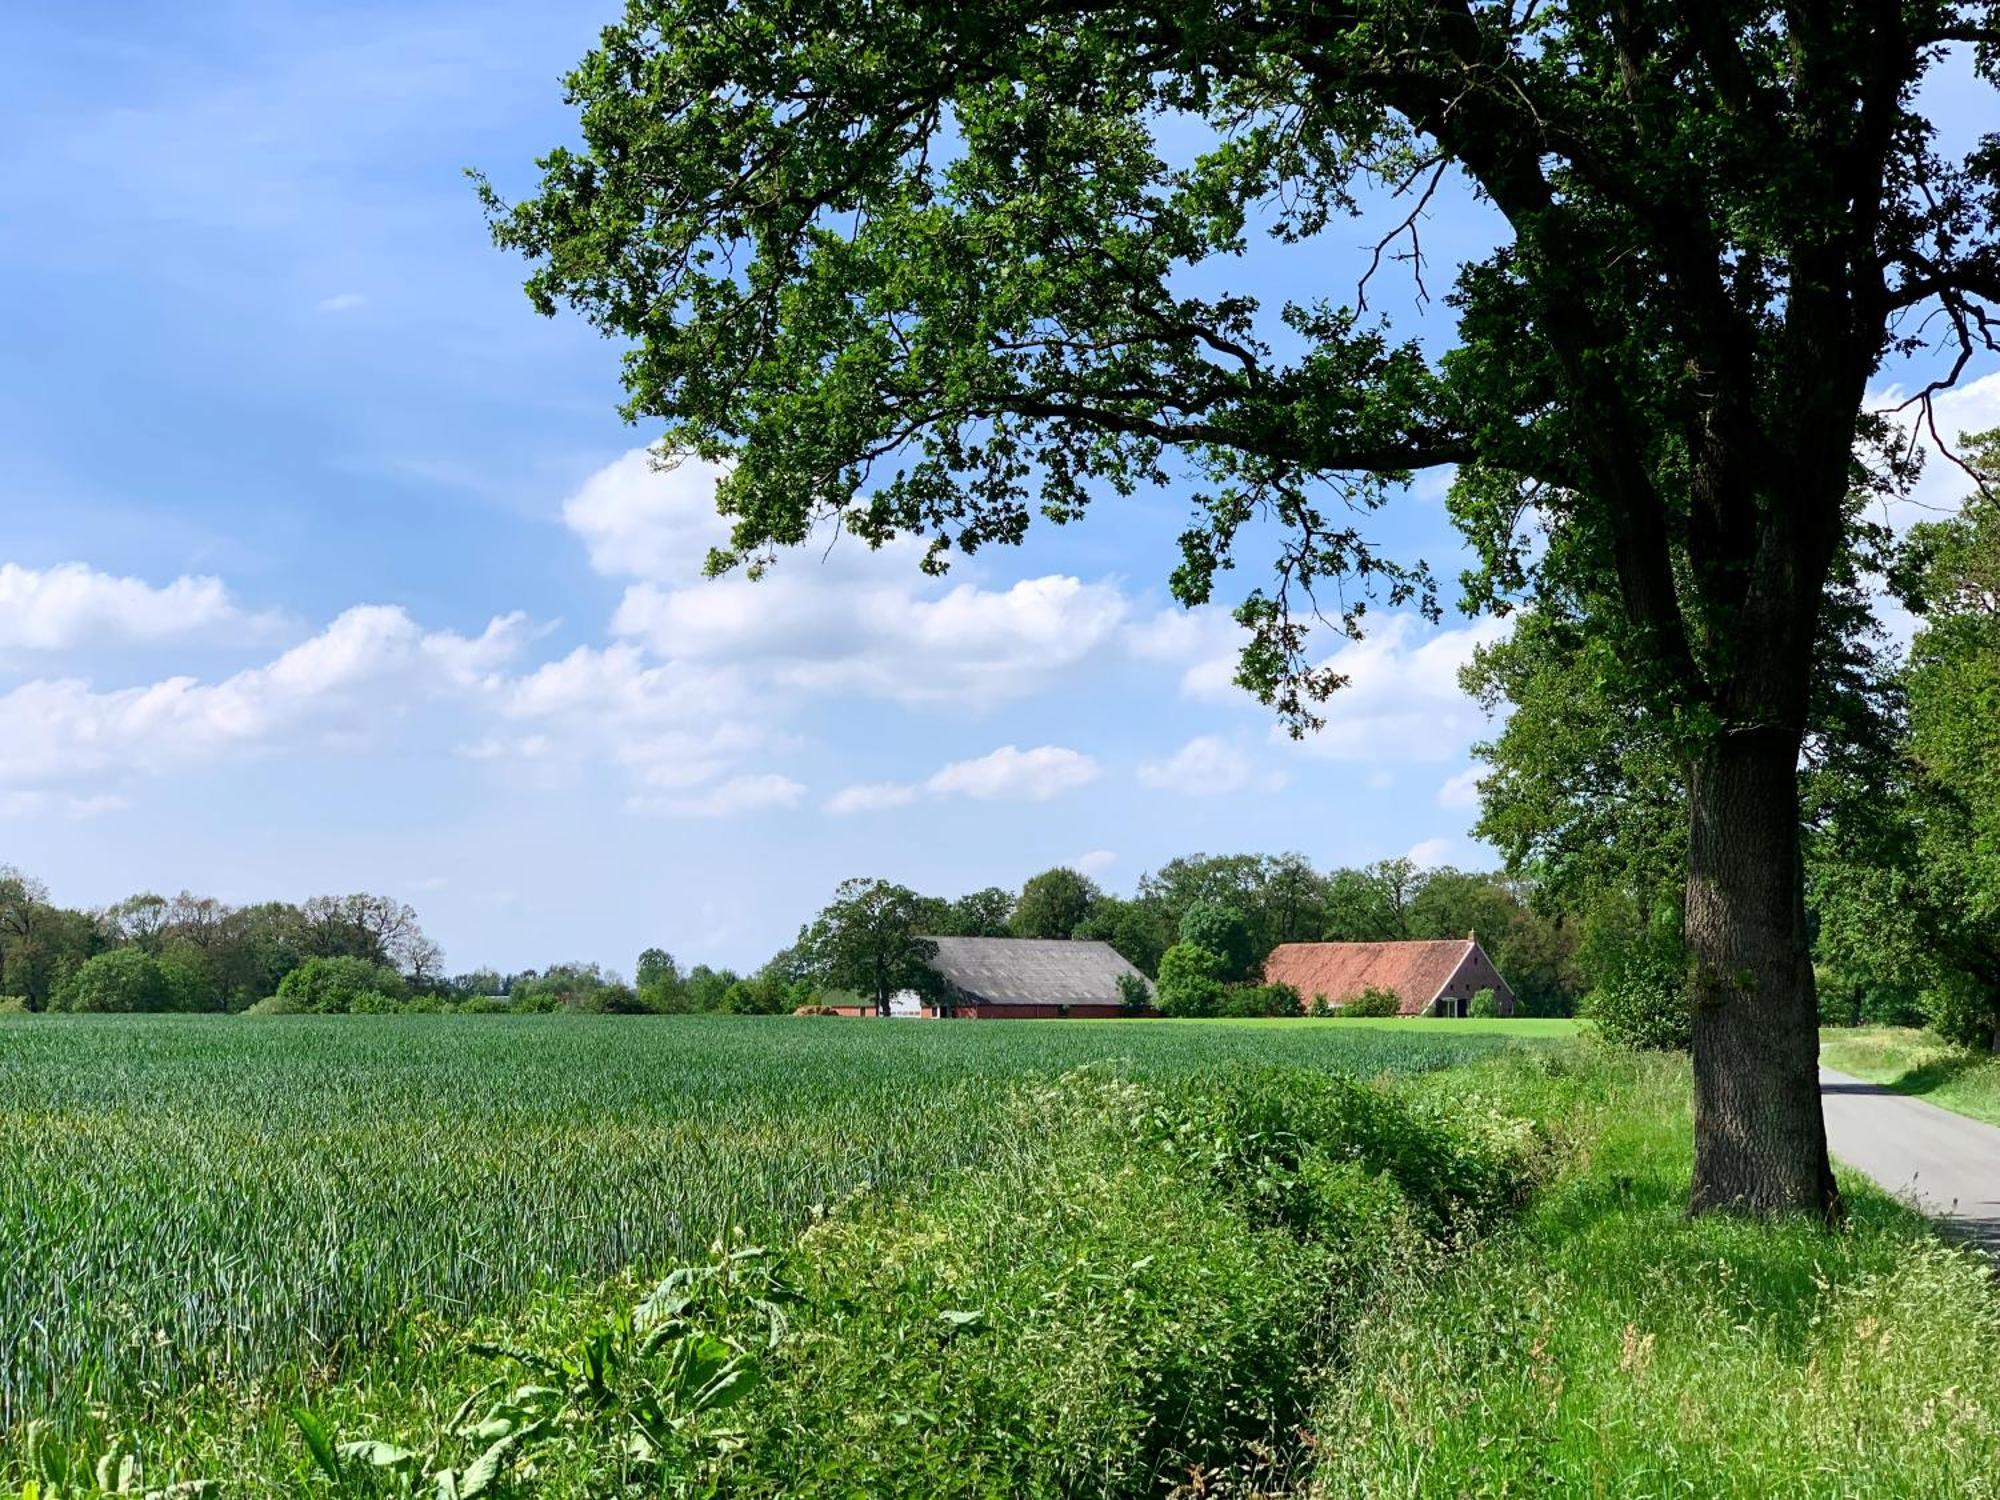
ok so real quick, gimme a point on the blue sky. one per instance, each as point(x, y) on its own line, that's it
point(327, 565)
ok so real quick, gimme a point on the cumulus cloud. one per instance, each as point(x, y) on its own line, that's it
point(1008, 774)
point(1094, 863)
point(834, 617)
point(1461, 790)
point(1016, 775)
point(1402, 701)
point(72, 605)
point(739, 794)
point(871, 797)
point(1430, 853)
point(1206, 766)
point(332, 684)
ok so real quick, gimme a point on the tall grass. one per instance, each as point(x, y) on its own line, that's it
point(1920, 1063)
point(1609, 1345)
point(219, 1203)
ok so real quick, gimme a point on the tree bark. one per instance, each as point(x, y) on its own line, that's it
point(1759, 1132)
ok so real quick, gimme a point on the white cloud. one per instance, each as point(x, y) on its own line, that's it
point(642, 520)
point(1402, 701)
point(1461, 790)
point(71, 605)
point(739, 794)
point(871, 797)
point(1094, 863)
point(1430, 853)
point(341, 302)
point(1381, 781)
point(833, 617)
point(1972, 407)
point(1205, 766)
point(366, 666)
point(1017, 775)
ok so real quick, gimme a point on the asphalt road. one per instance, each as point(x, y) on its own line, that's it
point(1941, 1163)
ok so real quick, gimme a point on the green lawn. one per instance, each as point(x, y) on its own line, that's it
point(1916, 1062)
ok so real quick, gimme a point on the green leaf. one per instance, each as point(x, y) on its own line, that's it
point(378, 1454)
point(313, 1431)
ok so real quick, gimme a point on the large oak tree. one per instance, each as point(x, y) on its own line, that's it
point(923, 267)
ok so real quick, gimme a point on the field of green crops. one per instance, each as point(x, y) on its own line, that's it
point(239, 1204)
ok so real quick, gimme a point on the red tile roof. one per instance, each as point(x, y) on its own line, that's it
point(1340, 971)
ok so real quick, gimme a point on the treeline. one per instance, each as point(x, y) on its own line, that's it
point(365, 953)
point(194, 953)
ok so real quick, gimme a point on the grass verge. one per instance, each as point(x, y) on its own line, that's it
point(1606, 1344)
point(1917, 1062)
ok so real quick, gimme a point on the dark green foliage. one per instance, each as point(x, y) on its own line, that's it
point(1485, 1005)
point(1247, 1001)
point(988, 1338)
point(329, 986)
point(1643, 1001)
point(123, 980)
point(1222, 930)
point(1134, 997)
point(981, 913)
point(1191, 982)
point(1054, 904)
point(1139, 930)
point(1371, 1003)
point(870, 939)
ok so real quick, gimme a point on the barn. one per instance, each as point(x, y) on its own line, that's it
point(1025, 979)
point(1431, 978)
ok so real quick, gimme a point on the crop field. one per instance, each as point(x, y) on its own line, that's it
point(247, 1204)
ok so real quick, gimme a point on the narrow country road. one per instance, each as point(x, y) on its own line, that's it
point(1943, 1164)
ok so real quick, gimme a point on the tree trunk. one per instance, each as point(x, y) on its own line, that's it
point(1759, 1133)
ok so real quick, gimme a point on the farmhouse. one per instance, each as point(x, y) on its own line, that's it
point(1021, 979)
point(1431, 978)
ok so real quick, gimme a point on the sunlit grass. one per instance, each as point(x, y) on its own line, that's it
point(1919, 1063)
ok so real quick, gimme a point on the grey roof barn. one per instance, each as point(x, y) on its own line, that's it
point(1010, 972)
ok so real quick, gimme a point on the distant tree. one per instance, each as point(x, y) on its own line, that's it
point(1222, 930)
point(379, 929)
point(707, 988)
point(1138, 929)
point(1484, 1005)
point(188, 977)
point(1364, 907)
point(123, 979)
point(656, 966)
point(981, 913)
point(1135, 997)
point(1054, 904)
point(339, 984)
point(140, 920)
point(40, 943)
point(868, 939)
point(1191, 981)
point(1282, 897)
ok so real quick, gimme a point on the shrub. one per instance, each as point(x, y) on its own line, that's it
point(1373, 1001)
point(1190, 980)
point(1485, 1005)
point(1643, 1003)
point(1321, 1007)
point(1259, 1000)
point(13, 1005)
point(814, 1010)
point(335, 985)
point(1958, 1010)
point(1135, 996)
point(123, 980)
